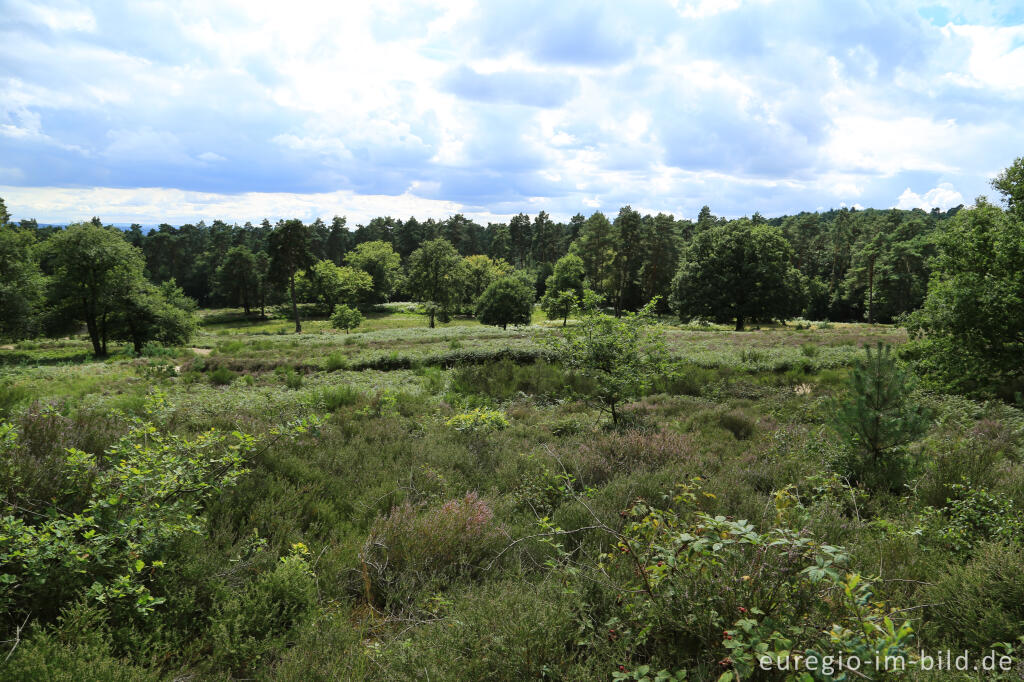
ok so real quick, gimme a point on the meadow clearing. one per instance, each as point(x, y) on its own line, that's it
point(457, 513)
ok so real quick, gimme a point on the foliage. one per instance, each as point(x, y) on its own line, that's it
point(620, 356)
point(379, 260)
point(877, 419)
point(141, 494)
point(22, 285)
point(564, 288)
point(329, 285)
point(737, 272)
point(973, 516)
point(971, 329)
point(346, 318)
point(413, 547)
point(506, 301)
point(436, 276)
point(477, 420)
point(289, 248)
point(695, 589)
point(94, 273)
point(154, 314)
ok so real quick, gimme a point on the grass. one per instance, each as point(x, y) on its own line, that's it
point(426, 552)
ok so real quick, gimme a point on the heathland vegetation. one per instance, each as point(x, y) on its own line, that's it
point(635, 448)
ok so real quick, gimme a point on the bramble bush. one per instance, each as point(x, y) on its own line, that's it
point(699, 592)
point(120, 511)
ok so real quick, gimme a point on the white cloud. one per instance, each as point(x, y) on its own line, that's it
point(152, 205)
point(943, 196)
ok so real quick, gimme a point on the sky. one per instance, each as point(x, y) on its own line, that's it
point(158, 111)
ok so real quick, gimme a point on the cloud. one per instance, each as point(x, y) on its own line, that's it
point(943, 196)
point(513, 87)
point(504, 105)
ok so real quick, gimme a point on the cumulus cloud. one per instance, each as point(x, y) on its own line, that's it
point(507, 105)
point(943, 196)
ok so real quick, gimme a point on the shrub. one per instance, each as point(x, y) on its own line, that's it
point(688, 587)
point(980, 603)
point(738, 423)
point(412, 549)
point(640, 450)
point(140, 495)
point(976, 515)
point(289, 376)
point(336, 361)
point(244, 626)
point(961, 457)
point(478, 420)
point(222, 376)
point(334, 397)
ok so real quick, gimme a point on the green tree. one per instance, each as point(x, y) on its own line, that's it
point(520, 231)
point(328, 285)
point(436, 276)
point(346, 317)
point(289, 246)
point(5, 217)
point(546, 239)
point(378, 258)
point(631, 236)
point(877, 420)
point(661, 259)
point(22, 284)
point(596, 246)
point(153, 313)
point(237, 277)
point(620, 356)
point(508, 300)
point(970, 331)
point(1010, 183)
point(480, 272)
point(736, 272)
point(94, 271)
point(564, 287)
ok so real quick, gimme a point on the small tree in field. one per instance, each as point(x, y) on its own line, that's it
point(564, 287)
point(506, 301)
point(346, 317)
point(877, 420)
point(621, 356)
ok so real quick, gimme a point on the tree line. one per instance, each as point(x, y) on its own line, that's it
point(840, 265)
point(846, 264)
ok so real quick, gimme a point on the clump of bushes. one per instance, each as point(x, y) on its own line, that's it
point(478, 420)
point(412, 549)
point(222, 376)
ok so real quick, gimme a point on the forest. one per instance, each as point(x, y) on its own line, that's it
point(626, 447)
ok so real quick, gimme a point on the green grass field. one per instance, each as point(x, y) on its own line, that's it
point(496, 551)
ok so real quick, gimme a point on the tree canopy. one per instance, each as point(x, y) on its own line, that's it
point(737, 272)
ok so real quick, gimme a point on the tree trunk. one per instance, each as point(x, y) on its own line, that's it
point(871, 291)
point(431, 319)
point(505, 326)
point(94, 337)
point(295, 306)
point(565, 319)
point(615, 415)
point(739, 323)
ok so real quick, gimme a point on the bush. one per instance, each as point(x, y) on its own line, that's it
point(335, 397)
point(336, 361)
point(244, 626)
point(289, 376)
point(738, 423)
point(478, 420)
point(962, 457)
point(975, 515)
point(412, 550)
point(222, 376)
point(978, 604)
